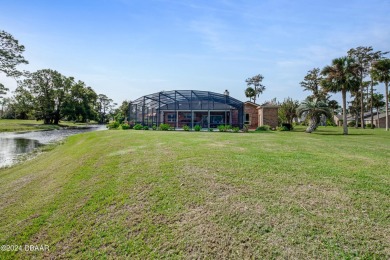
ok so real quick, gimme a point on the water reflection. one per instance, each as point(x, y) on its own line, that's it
point(12, 145)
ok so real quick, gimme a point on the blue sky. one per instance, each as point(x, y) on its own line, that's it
point(130, 48)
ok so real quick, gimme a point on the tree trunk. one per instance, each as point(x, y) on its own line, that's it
point(372, 116)
point(361, 102)
point(377, 117)
point(312, 125)
point(344, 96)
point(387, 105)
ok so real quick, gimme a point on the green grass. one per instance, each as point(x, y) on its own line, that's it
point(17, 125)
point(151, 194)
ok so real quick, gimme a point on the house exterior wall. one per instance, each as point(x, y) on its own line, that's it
point(251, 109)
point(382, 121)
point(268, 116)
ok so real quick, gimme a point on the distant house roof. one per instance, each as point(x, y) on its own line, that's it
point(381, 115)
point(251, 103)
point(269, 104)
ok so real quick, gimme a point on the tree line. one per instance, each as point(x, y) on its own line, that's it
point(47, 94)
point(356, 73)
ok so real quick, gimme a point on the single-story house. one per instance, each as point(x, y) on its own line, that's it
point(193, 107)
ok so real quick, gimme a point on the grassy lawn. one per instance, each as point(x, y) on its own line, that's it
point(148, 194)
point(17, 125)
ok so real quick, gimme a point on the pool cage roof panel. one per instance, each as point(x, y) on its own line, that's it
point(164, 98)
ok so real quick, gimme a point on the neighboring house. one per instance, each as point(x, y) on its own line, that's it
point(338, 119)
point(379, 120)
point(193, 107)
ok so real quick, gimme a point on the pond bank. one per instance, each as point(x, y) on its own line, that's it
point(18, 146)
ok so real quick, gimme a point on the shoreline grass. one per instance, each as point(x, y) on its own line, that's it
point(155, 194)
point(17, 125)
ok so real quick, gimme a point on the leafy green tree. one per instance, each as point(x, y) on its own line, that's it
point(363, 57)
point(312, 82)
point(23, 103)
point(3, 90)
point(258, 88)
point(341, 76)
point(334, 105)
point(79, 103)
point(313, 109)
point(48, 89)
point(104, 106)
point(288, 110)
point(10, 54)
point(381, 72)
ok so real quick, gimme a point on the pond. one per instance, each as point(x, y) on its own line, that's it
point(13, 145)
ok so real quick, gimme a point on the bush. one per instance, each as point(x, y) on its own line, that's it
point(197, 128)
point(138, 127)
point(186, 128)
point(146, 127)
point(164, 127)
point(211, 129)
point(124, 126)
point(245, 129)
point(263, 128)
point(369, 125)
point(113, 125)
point(351, 124)
point(236, 129)
point(154, 127)
point(288, 126)
point(282, 128)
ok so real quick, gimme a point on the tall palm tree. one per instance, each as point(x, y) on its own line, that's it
point(381, 72)
point(341, 76)
point(313, 109)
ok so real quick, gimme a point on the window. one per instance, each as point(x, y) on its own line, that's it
point(187, 115)
point(171, 118)
point(247, 119)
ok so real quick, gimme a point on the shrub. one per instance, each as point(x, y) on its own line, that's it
point(146, 127)
point(197, 128)
point(113, 125)
point(186, 128)
point(222, 128)
point(351, 124)
point(263, 128)
point(124, 126)
point(138, 127)
point(154, 127)
point(288, 126)
point(236, 129)
point(245, 129)
point(164, 127)
point(369, 125)
point(211, 129)
point(282, 128)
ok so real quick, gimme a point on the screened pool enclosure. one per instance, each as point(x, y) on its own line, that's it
point(187, 107)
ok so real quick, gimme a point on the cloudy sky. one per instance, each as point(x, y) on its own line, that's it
point(130, 48)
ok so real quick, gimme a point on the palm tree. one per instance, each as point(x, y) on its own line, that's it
point(341, 76)
point(313, 109)
point(250, 93)
point(381, 72)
